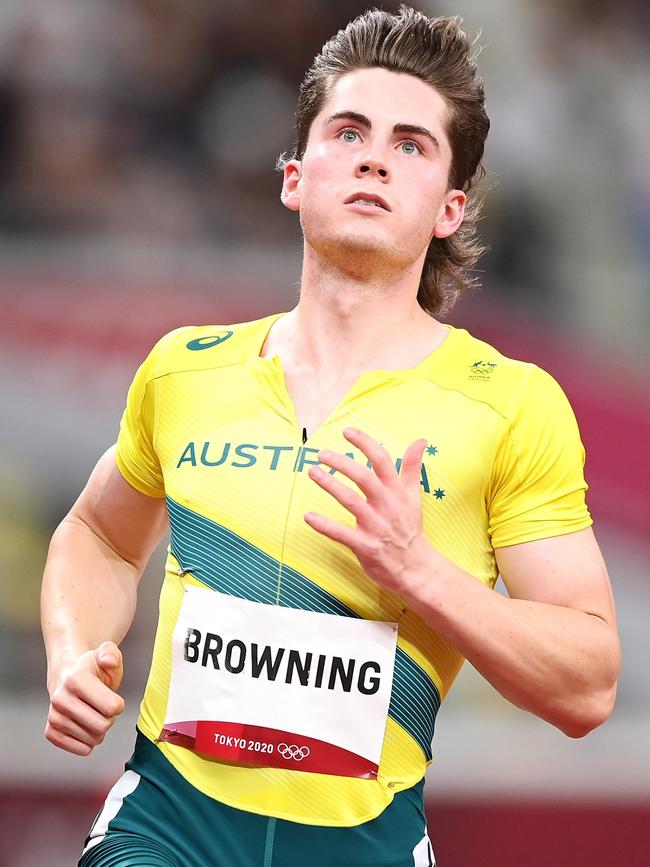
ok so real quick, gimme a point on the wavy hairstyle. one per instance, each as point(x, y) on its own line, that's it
point(437, 51)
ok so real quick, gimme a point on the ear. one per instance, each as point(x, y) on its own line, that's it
point(451, 213)
point(290, 194)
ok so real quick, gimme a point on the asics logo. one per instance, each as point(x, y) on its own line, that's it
point(291, 751)
point(208, 342)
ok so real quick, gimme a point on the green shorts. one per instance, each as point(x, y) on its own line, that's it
point(154, 818)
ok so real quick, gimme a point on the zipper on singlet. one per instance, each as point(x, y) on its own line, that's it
point(294, 478)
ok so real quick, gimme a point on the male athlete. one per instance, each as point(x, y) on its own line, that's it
point(343, 483)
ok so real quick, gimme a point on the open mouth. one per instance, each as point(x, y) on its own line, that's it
point(368, 200)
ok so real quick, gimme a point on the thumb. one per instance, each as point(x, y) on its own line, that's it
point(411, 463)
point(108, 657)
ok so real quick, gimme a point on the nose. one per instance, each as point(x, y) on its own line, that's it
point(371, 166)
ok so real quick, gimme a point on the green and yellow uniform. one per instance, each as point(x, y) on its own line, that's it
point(209, 426)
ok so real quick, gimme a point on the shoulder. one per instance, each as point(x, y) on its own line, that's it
point(201, 347)
point(508, 385)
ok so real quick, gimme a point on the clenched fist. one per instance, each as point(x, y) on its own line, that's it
point(84, 703)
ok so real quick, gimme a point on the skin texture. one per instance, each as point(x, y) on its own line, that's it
point(406, 169)
point(361, 270)
point(88, 599)
point(345, 156)
point(552, 647)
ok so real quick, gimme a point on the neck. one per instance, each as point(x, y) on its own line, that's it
point(347, 321)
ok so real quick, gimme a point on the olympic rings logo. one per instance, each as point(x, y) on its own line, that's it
point(291, 751)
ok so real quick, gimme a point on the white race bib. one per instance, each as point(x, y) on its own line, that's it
point(277, 687)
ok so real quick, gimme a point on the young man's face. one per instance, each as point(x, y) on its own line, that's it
point(380, 137)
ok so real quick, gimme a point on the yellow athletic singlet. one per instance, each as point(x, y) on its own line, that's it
point(210, 426)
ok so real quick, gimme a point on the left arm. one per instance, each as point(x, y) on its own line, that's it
point(551, 648)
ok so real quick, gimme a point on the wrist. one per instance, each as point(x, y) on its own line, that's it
point(418, 572)
point(431, 584)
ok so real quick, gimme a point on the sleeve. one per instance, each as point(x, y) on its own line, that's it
point(537, 486)
point(136, 456)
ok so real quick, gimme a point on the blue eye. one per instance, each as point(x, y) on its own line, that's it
point(412, 147)
point(349, 135)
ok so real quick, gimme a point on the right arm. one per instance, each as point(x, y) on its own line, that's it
point(95, 561)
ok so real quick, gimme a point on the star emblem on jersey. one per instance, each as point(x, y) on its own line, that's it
point(432, 450)
point(438, 493)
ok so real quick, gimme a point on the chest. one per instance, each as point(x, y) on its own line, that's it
point(247, 435)
point(314, 401)
point(232, 455)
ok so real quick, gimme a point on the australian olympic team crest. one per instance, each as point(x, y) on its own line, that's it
point(291, 751)
point(482, 370)
point(209, 341)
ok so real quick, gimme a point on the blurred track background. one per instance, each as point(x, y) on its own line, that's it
point(137, 193)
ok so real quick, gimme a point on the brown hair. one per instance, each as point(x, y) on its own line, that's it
point(437, 51)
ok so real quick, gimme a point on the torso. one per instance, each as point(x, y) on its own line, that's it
point(314, 404)
point(316, 393)
point(211, 426)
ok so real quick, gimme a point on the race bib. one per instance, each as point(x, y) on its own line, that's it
point(277, 687)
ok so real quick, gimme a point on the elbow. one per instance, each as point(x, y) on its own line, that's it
point(589, 714)
point(593, 708)
point(577, 729)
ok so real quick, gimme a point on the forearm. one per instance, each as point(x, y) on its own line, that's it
point(557, 662)
point(88, 595)
point(556, 655)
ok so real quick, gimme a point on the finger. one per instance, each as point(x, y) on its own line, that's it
point(109, 661)
point(70, 728)
point(363, 477)
point(65, 742)
point(381, 461)
point(347, 497)
point(88, 687)
point(75, 708)
point(332, 529)
point(411, 468)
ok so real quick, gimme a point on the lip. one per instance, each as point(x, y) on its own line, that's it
point(369, 197)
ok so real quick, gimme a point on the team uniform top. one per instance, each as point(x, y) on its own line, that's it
point(210, 426)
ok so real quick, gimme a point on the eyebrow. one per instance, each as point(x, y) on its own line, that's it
point(362, 120)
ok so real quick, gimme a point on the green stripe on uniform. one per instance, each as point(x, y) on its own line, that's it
point(226, 562)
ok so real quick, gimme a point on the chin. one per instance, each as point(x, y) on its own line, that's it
point(349, 243)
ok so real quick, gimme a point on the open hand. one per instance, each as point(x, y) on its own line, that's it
point(388, 539)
